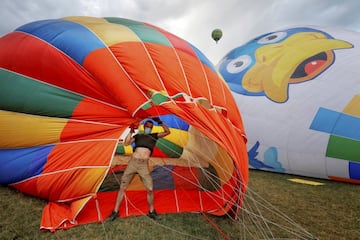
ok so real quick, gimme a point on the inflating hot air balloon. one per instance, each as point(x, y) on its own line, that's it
point(216, 34)
point(69, 90)
point(299, 94)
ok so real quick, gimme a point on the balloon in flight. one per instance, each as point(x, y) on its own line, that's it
point(216, 34)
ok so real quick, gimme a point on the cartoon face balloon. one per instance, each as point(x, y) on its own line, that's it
point(69, 90)
point(298, 91)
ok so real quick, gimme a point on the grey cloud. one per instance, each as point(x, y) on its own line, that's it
point(240, 20)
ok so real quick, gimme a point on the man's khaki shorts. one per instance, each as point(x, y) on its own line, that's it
point(141, 167)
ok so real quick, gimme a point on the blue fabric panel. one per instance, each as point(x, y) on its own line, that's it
point(324, 120)
point(20, 164)
point(202, 58)
point(71, 38)
point(336, 123)
point(171, 121)
point(162, 177)
point(354, 170)
point(175, 122)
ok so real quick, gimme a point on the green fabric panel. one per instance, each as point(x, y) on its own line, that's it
point(144, 32)
point(120, 149)
point(21, 94)
point(169, 148)
point(146, 106)
point(158, 98)
point(343, 148)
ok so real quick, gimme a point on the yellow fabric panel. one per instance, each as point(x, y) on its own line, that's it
point(223, 165)
point(303, 181)
point(136, 184)
point(109, 33)
point(23, 130)
point(128, 150)
point(199, 149)
point(81, 184)
point(177, 136)
point(77, 205)
point(353, 106)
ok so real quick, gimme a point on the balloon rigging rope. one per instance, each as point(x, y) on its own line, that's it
point(247, 213)
point(259, 220)
point(210, 177)
point(164, 226)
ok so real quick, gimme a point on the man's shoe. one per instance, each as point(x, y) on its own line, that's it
point(113, 215)
point(153, 215)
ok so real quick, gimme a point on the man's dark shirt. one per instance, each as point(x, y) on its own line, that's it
point(146, 140)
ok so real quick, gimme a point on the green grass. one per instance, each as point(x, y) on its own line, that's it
point(330, 211)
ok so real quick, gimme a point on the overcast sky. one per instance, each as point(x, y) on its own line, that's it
point(193, 20)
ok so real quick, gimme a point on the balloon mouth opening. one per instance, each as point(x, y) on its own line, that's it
point(198, 164)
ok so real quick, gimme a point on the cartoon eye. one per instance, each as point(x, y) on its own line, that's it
point(239, 64)
point(272, 38)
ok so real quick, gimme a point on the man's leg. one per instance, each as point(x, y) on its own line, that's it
point(115, 213)
point(125, 181)
point(119, 198)
point(150, 199)
point(148, 183)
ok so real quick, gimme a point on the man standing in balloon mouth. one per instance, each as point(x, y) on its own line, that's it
point(139, 163)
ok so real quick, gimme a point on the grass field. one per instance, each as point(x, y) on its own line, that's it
point(274, 208)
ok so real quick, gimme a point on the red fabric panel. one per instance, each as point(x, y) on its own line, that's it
point(158, 153)
point(177, 42)
point(25, 54)
point(185, 178)
point(135, 203)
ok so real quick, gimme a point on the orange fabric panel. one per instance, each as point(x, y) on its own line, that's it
point(79, 130)
point(217, 88)
point(61, 215)
point(130, 55)
point(217, 128)
point(91, 110)
point(64, 186)
point(233, 112)
point(195, 78)
point(114, 79)
point(169, 68)
point(344, 179)
point(55, 215)
point(72, 170)
point(87, 153)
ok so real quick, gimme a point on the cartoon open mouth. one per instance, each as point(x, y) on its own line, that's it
point(299, 58)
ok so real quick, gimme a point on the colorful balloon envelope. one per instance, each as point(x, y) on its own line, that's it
point(298, 91)
point(69, 90)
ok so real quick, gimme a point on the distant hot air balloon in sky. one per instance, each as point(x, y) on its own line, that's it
point(299, 94)
point(216, 34)
point(69, 89)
